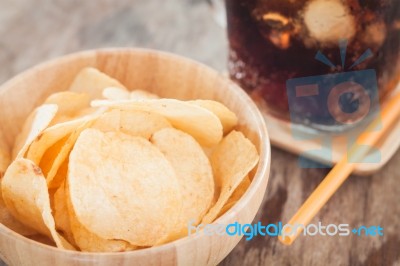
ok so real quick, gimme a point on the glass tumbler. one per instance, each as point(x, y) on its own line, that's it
point(325, 64)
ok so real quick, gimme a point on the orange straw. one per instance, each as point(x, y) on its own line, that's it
point(343, 168)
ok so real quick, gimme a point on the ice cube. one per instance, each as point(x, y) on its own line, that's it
point(329, 20)
point(375, 34)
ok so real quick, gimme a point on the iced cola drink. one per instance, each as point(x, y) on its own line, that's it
point(273, 41)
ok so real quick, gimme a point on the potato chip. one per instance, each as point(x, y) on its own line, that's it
point(58, 171)
point(240, 190)
point(202, 124)
point(142, 95)
point(37, 121)
point(236, 195)
point(42, 239)
point(135, 123)
point(127, 178)
point(56, 168)
point(68, 102)
point(9, 221)
point(227, 117)
point(194, 174)
point(5, 216)
point(52, 135)
point(231, 160)
point(92, 82)
point(61, 215)
point(51, 141)
point(226, 208)
point(88, 112)
point(88, 241)
point(50, 154)
point(25, 194)
point(113, 93)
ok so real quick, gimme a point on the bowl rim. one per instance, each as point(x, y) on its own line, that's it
point(261, 173)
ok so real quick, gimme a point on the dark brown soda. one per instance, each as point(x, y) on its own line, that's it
point(269, 45)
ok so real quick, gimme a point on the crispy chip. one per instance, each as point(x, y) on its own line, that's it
point(55, 180)
point(88, 241)
point(231, 160)
point(5, 216)
point(135, 123)
point(37, 121)
point(92, 82)
point(52, 135)
point(56, 168)
point(49, 156)
point(240, 190)
point(26, 197)
point(126, 178)
point(113, 93)
point(227, 117)
point(226, 208)
point(89, 112)
point(142, 95)
point(61, 215)
point(42, 239)
point(8, 220)
point(68, 102)
point(236, 195)
point(194, 175)
point(202, 124)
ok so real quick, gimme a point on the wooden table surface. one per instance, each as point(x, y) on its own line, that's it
point(34, 31)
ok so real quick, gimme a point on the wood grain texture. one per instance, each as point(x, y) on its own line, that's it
point(34, 31)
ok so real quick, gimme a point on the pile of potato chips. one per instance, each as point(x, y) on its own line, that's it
point(100, 168)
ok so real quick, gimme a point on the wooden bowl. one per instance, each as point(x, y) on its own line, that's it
point(169, 76)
